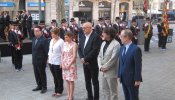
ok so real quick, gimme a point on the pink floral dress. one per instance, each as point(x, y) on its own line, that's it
point(70, 74)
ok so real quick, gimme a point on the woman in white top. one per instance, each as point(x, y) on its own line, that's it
point(54, 60)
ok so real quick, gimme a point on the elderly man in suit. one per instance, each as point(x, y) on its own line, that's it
point(39, 59)
point(108, 64)
point(89, 47)
point(130, 68)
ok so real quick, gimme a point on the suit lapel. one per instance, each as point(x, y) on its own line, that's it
point(127, 53)
point(90, 38)
point(108, 48)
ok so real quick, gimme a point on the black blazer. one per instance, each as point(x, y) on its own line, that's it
point(90, 52)
point(29, 22)
point(117, 28)
point(13, 39)
point(98, 30)
point(7, 20)
point(40, 51)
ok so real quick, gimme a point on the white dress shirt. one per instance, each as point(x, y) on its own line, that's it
point(127, 47)
point(55, 51)
point(87, 38)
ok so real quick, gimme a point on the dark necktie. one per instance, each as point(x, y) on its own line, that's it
point(124, 52)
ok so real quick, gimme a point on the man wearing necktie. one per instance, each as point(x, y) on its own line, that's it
point(130, 66)
point(39, 59)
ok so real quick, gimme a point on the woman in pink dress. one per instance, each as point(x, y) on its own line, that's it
point(69, 54)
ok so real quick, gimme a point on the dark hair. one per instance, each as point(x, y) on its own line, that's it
point(39, 27)
point(110, 31)
point(56, 31)
point(69, 34)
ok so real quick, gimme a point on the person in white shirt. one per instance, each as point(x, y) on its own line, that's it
point(54, 60)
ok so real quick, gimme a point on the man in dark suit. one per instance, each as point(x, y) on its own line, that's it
point(64, 28)
point(117, 27)
point(6, 19)
point(23, 23)
point(88, 50)
point(74, 29)
point(135, 30)
point(130, 67)
point(159, 27)
point(29, 25)
point(100, 26)
point(148, 33)
point(2, 26)
point(39, 59)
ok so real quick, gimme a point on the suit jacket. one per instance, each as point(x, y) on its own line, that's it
point(80, 33)
point(29, 22)
point(23, 20)
point(62, 33)
point(117, 28)
point(13, 38)
point(40, 51)
point(109, 59)
point(98, 29)
point(7, 20)
point(74, 29)
point(90, 52)
point(130, 66)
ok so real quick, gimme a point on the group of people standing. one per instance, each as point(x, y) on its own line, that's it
point(24, 20)
point(99, 52)
point(4, 25)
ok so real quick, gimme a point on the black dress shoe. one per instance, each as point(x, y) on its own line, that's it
point(88, 99)
point(43, 91)
point(37, 89)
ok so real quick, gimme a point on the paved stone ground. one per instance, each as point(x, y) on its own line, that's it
point(158, 77)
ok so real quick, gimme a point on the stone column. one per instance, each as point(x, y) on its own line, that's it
point(95, 11)
point(114, 9)
point(130, 10)
point(71, 7)
point(53, 8)
point(48, 12)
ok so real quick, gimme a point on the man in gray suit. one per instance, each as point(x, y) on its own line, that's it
point(108, 64)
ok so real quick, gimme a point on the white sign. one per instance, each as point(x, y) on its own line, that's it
point(35, 16)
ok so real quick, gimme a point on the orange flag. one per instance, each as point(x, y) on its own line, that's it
point(165, 18)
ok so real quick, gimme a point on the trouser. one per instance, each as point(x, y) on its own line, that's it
point(12, 49)
point(160, 40)
point(2, 32)
point(40, 75)
point(91, 75)
point(131, 92)
point(164, 41)
point(135, 41)
point(18, 59)
point(24, 30)
point(147, 43)
point(29, 29)
point(58, 79)
point(109, 88)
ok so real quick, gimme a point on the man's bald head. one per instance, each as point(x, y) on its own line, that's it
point(87, 24)
point(87, 27)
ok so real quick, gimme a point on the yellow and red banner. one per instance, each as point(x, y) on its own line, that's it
point(165, 18)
